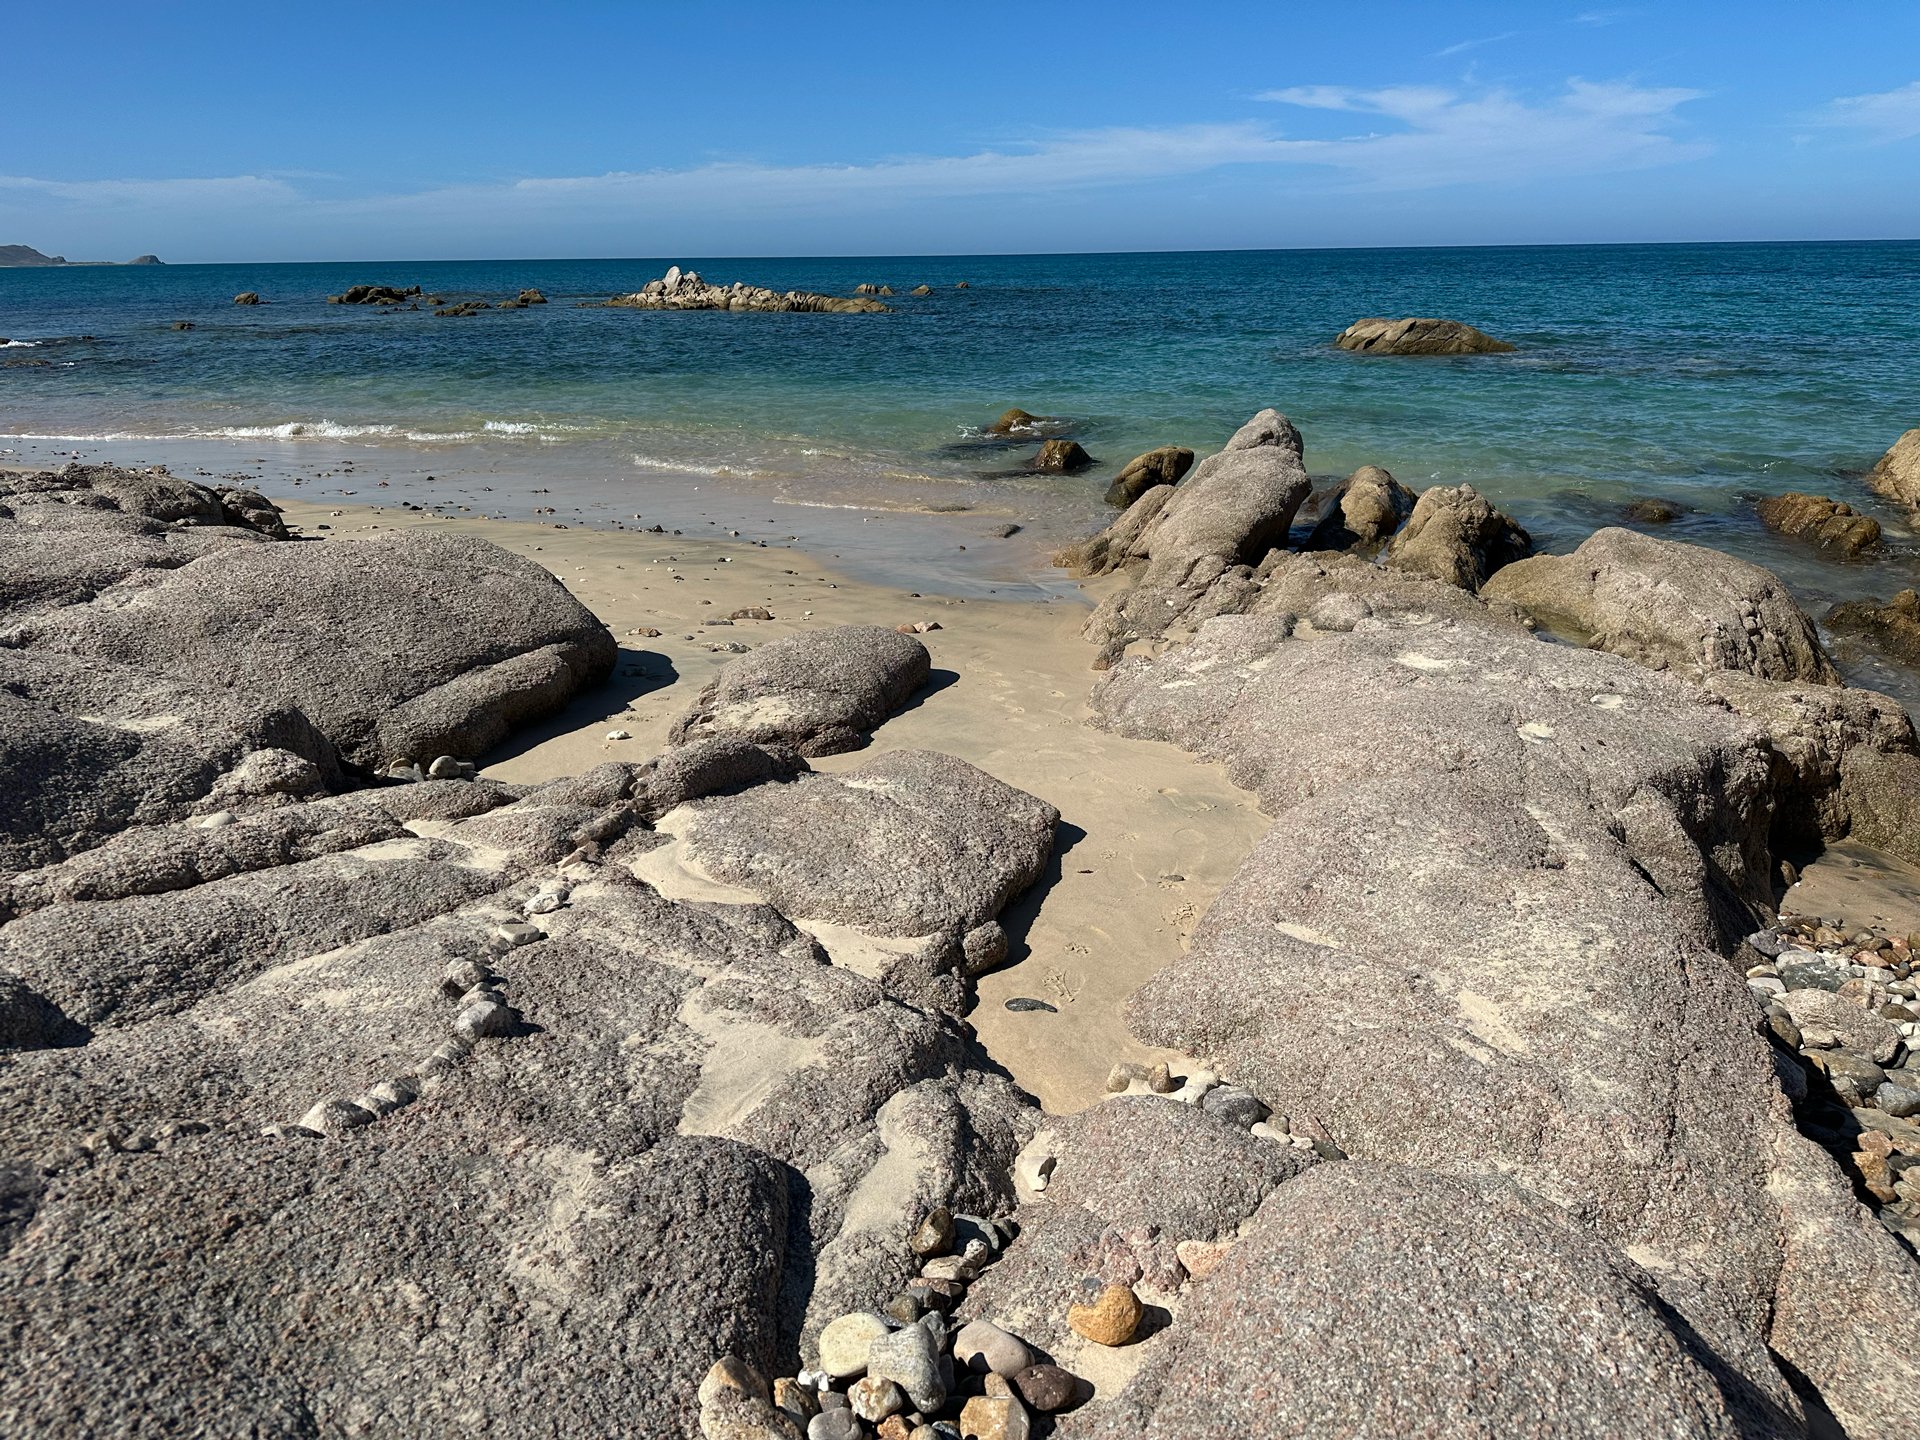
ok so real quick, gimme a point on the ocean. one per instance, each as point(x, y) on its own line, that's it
point(1706, 375)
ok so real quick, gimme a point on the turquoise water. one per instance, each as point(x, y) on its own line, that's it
point(1705, 374)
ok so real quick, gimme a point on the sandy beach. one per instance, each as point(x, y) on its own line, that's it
point(1148, 834)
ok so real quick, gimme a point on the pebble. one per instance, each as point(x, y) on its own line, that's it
point(987, 1418)
point(618, 735)
point(905, 1308)
point(545, 903)
point(834, 1425)
point(1047, 1388)
point(445, 767)
point(874, 1399)
point(844, 1342)
point(795, 1400)
point(335, 1116)
point(983, 1347)
point(894, 1427)
point(1124, 1075)
point(1113, 1319)
point(934, 1234)
point(1899, 1101)
point(937, 1296)
point(1027, 1002)
point(1035, 1169)
point(218, 820)
point(487, 1019)
point(1235, 1106)
point(963, 1267)
point(910, 1357)
point(461, 976)
point(1199, 1257)
point(730, 1372)
point(515, 933)
point(1160, 1078)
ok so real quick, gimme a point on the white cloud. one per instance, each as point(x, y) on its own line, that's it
point(1889, 115)
point(1416, 138)
point(1447, 137)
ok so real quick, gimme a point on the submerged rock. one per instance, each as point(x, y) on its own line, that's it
point(1060, 457)
point(1892, 626)
point(1418, 337)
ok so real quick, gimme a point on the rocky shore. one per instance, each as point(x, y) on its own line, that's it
point(674, 1095)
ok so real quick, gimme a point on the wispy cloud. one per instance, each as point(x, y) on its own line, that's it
point(1461, 47)
point(1886, 116)
point(1414, 138)
point(1447, 137)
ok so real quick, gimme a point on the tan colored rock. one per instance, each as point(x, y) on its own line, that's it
point(1454, 534)
point(1061, 457)
point(986, 1417)
point(1892, 626)
point(1014, 420)
point(1832, 526)
point(1113, 1319)
point(1199, 1257)
point(1163, 466)
point(1418, 336)
point(1366, 508)
point(1896, 475)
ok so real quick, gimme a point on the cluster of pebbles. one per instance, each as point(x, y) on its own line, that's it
point(906, 1371)
point(1841, 1005)
point(1232, 1103)
point(481, 1012)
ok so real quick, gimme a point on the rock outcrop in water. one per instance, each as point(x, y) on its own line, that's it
point(685, 290)
point(1896, 474)
point(1163, 466)
point(374, 295)
point(1362, 511)
point(1418, 337)
point(1831, 526)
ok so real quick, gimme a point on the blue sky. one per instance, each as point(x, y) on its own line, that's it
point(219, 132)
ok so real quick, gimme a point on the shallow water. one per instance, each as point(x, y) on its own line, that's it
point(1704, 374)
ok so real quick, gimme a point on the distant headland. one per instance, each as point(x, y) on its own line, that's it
point(25, 255)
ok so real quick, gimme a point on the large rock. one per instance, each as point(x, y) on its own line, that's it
point(1164, 466)
point(1363, 510)
point(400, 647)
point(1373, 1301)
point(1418, 337)
point(1669, 604)
point(88, 749)
point(1060, 457)
point(819, 692)
point(1891, 626)
point(1896, 474)
point(1524, 862)
point(1454, 534)
point(1826, 524)
point(691, 1135)
point(912, 843)
point(1195, 546)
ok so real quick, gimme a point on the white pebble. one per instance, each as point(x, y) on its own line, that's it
point(618, 735)
point(216, 821)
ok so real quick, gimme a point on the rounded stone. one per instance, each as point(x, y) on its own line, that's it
point(1047, 1388)
point(1113, 1319)
point(730, 1372)
point(874, 1399)
point(844, 1342)
point(987, 1417)
point(934, 1235)
point(834, 1425)
point(983, 1347)
point(334, 1116)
